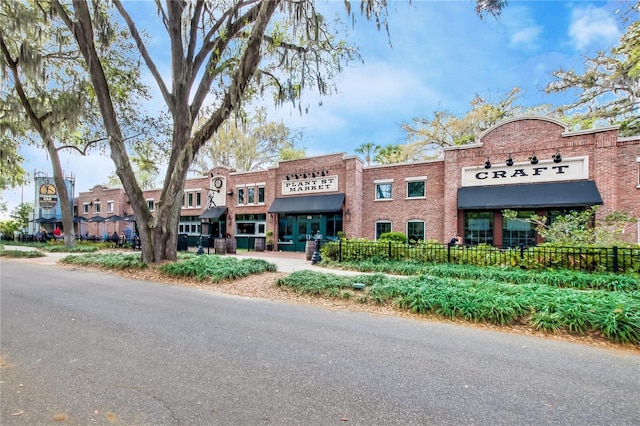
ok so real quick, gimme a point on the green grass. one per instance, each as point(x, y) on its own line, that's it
point(556, 278)
point(549, 308)
point(21, 253)
point(215, 268)
point(106, 260)
point(79, 248)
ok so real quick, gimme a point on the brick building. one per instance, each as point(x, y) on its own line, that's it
point(533, 165)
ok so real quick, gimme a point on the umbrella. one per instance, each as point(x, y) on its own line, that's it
point(96, 219)
point(114, 218)
point(129, 218)
point(46, 220)
point(78, 219)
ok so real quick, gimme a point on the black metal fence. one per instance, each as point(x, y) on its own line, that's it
point(581, 258)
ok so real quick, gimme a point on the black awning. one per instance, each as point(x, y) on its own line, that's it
point(214, 213)
point(557, 194)
point(46, 220)
point(308, 204)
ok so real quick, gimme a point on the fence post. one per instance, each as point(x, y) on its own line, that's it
point(340, 250)
point(448, 253)
point(615, 259)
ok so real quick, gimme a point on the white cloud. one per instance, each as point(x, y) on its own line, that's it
point(591, 25)
point(521, 29)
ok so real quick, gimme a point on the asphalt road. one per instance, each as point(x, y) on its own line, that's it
point(90, 348)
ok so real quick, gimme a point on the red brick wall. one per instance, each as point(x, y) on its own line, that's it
point(400, 210)
point(613, 166)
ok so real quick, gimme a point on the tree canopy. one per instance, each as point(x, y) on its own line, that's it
point(248, 142)
point(427, 137)
point(609, 87)
point(221, 54)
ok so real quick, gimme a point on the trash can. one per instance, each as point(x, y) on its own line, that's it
point(182, 242)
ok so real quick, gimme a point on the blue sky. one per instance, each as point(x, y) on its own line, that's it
point(442, 55)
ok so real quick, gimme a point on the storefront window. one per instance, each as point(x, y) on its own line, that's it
point(382, 227)
point(552, 215)
point(285, 229)
point(519, 232)
point(415, 189)
point(415, 231)
point(383, 191)
point(251, 224)
point(334, 225)
point(478, 228)
point(191, 225)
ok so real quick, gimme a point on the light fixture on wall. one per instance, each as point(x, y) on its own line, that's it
point(288, 178)
point(229, 192)
point(509, 161)
point(533, 158)
point(323, 174)
point(487, 164)
point(557, 157)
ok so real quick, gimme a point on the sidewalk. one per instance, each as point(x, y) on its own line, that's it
point(292, 261)
point(285, 261)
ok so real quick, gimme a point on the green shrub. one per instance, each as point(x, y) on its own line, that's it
point(108, 260)
point(398, 237)
point(216, 268)
point(21, 253)
point(482, 295)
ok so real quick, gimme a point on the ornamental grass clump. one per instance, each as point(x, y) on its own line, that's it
point(492, 300)
point(21, 253)
point(317, 284)
point(216, 268)
point(108, 260)
point(78, 248)
point(556, 278)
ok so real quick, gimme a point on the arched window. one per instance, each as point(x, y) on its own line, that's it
point(415, 230)
point(382, 226)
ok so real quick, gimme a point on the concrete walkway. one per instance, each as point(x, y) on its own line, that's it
point(285, 261)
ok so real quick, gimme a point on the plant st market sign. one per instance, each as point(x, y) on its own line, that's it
point(308, 186)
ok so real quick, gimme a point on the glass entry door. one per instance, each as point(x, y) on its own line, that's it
point(308, 227)
point(217, 229)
